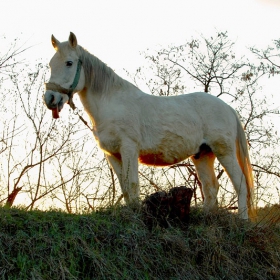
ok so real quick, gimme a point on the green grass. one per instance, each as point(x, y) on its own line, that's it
point(115, 244)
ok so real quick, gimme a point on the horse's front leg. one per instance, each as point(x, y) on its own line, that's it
point(129, 176)
point(116, 165)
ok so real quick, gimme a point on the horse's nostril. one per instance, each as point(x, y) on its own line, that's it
point(52, 99)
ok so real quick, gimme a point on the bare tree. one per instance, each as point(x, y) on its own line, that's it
point(269, 58)
point(9, 59)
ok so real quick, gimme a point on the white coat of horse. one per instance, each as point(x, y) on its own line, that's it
point(131, 126)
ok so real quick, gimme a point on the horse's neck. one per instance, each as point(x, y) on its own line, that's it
point(99, 77)
point(101, 83)
point(91, 102)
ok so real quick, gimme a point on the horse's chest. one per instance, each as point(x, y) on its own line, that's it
point(114, 135)
point(108, 141)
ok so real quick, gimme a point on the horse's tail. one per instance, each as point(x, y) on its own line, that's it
point(245, 165)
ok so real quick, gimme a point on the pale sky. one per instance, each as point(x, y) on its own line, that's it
point(117, 31)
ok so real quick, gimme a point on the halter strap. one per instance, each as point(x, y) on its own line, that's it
point(69, 92)
point(77, 76)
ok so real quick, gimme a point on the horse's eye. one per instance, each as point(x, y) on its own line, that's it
point(69, 63)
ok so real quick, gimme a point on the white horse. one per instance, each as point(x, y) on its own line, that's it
point(131, 126)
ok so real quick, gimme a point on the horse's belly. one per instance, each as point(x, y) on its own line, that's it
point(159, 159)
point(170, 149)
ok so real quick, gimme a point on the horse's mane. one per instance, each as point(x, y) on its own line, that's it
point(98, 75)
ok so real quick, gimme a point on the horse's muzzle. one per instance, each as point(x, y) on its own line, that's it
point(55, 102)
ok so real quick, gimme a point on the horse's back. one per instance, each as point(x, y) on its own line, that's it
point(202, 110)
point(214, 113)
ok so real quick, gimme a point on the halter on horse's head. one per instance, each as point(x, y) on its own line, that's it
point(66, 79)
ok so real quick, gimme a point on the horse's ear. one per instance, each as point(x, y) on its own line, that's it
point(55, 42)
point(73, 40)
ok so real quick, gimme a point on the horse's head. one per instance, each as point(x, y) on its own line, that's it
point(67, 75)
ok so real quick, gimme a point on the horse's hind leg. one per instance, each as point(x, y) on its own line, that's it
point(231, 166)
point(204, 164)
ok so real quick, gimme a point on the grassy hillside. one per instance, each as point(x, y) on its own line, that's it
point(115, 244)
